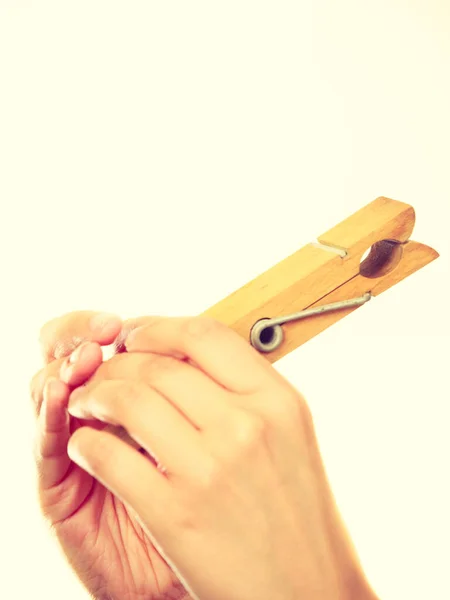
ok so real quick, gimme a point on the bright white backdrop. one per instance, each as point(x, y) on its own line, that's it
point(156, 156)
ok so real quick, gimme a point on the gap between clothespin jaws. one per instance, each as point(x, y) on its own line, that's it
point(331, 270)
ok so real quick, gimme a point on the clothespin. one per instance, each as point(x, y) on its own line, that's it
point(324, 281)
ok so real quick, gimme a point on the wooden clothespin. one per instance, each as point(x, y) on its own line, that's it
point(321, 283)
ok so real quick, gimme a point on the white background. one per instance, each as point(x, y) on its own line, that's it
point(156, 156)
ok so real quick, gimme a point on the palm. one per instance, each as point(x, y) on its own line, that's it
point(98, 531)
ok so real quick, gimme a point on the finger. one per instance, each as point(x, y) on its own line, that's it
point(200, 399)
point(127, 327)
point(38, 382)
point(53, 434)
point(88, 362)
point(125, 472)
point(60, 336)
point(81, 364)
point(147, 416)
point(219, 351)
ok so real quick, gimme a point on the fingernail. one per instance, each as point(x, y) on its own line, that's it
point(77, 353)
point(104, 323)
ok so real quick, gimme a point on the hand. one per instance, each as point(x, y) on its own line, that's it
point(104, 543)
point(238, 504)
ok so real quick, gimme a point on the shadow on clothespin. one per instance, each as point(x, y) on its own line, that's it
point(324, 281)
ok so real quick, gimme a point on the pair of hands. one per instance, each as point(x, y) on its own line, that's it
point(223, 496)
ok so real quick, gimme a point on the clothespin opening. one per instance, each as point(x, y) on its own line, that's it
point(381, 258)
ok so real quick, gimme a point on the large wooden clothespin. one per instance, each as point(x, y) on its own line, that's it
point(321, 283)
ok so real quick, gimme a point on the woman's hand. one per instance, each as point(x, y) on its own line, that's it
point(236, 498)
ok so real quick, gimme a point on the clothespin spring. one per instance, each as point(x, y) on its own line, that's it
point(267, 335)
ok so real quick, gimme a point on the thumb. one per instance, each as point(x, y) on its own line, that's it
point(60, 336)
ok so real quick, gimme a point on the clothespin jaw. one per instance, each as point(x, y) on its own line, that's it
point(326, 272)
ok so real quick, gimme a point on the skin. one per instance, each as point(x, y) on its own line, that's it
point(227, 497)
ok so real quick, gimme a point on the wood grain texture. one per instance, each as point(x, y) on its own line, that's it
point(313, 276)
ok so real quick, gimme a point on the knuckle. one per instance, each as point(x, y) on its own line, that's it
point(248, 431)
point(201, 327)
